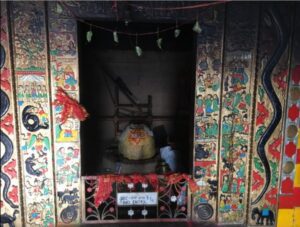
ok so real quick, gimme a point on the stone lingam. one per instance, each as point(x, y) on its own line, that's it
point(137, 142)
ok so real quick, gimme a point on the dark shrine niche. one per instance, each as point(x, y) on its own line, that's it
point(166, 75)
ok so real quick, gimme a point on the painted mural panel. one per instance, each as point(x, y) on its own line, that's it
point(207, 108)
point(10, 188)
point(272, 71)
point(64, 74)
point(238, 85)
point(33, 107)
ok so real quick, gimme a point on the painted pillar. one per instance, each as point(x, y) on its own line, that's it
point(64, 73)
point(289, 194)
point(267, 144)
point(236, 114)
point(10, 203)
point(33, 109)
point(207, 113)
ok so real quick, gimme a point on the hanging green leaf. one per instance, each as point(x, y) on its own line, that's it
point(196, 27)
point(138, 51)
point(159, 42)
point(215, 15)
point(116, 38)
point(177, 32)
point(89, 35)
point(59, 10)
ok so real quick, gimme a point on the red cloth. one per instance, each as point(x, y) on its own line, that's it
point(70, 107)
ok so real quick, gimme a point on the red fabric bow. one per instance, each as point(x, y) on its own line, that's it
point(70, 107)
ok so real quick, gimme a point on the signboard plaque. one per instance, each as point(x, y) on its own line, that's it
point(137, 198)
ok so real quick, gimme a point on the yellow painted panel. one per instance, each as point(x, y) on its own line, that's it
point(285, 218)
point(297, 217)
point(297, 176)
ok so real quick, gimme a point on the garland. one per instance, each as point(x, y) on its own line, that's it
point(105, 182)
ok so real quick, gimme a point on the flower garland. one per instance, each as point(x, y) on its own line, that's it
point(105, 182)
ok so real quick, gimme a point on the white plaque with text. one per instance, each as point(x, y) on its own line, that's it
point(137, 198)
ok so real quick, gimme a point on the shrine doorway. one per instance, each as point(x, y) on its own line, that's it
point(162, 76)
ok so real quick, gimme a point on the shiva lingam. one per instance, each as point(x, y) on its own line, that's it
point(137, 142)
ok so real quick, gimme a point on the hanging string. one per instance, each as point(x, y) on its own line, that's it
point(159, 39)
point(177, 30)
point(138, 49)
point(196, 6)
point(177, 26)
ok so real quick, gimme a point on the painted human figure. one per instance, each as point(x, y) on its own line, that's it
point(36, 213)
point(265, 211)
point(27, 93)
point(21, 94)
point(228, 101)
point(213, 148)
point(39, 143)
point(241, 200)
point(39, 91)
point(67, 129)
point(212, 129)
point(215, 103)
point(208, 104)
point(234, 186)
point(60, 160)
point(246, 124)
point(69, 78)
point(226, 125)
point(44, 93)
point(203, 65)
point(222, 202)
point(239, 79)
point(216, 82)
point(46, 187)
point(242, 187)
point(65, 132)
point(35, 189)
point(199, 129)
point(34, 90)
point(245, 101)
point(48, 208)
point(225, 186)
point(209, 80)
point(241, 171)
point(199, 103)
point(228, 202)
point(200, 82)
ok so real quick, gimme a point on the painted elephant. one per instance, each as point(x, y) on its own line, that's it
point(262, 215)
